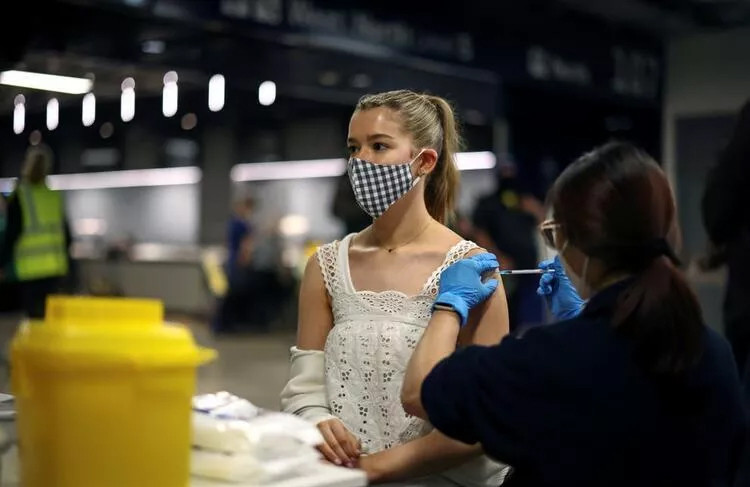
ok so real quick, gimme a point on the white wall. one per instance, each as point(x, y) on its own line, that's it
point(163, 214)
point(706, 74)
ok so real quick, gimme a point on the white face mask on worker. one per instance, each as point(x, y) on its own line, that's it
point(579, 282)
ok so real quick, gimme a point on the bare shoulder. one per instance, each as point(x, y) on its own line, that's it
point(449, 239)
point(446, 237)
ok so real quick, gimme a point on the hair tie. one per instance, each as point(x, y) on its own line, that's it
point(658, 248)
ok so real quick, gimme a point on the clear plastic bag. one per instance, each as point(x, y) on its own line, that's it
point(234, 440)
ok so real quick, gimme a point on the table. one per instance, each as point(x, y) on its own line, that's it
point(324, 475)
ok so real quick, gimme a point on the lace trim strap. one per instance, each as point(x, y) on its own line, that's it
point(327, 256)
point(456, 253)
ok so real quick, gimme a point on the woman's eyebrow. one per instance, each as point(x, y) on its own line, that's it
point(379, 136)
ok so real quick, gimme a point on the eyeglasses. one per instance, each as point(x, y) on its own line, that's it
point(547, 229)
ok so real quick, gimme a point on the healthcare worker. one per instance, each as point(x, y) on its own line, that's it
point(37, 236)
point(630, 388)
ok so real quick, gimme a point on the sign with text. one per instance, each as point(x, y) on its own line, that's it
point(353, 24)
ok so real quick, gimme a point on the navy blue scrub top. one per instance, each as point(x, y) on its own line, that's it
point(566, 406)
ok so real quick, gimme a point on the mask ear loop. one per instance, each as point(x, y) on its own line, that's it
point(585, 271)
point(418, 178)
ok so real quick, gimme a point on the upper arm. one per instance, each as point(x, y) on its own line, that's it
point(315, 316)
point(489, 322)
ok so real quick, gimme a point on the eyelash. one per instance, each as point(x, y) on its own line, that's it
point(377, 147)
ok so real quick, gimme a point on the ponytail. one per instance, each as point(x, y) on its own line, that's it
point(661, 316)
point(442, 184)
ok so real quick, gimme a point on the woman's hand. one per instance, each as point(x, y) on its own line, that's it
point(461, 286)
point(562, 298)
point(341, 447)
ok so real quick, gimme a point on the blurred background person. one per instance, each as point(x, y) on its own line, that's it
point(259, 283)
point(505, 223)
point(239, 236)
point(37, 237)
point(727, 219)
point(233, 309)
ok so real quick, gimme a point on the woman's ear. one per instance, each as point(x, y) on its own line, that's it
point(426, 162)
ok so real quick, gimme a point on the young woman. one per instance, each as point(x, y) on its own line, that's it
point(365, 300)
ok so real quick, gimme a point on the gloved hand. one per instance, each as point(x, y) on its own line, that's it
point(461, 285)
point(555, 287)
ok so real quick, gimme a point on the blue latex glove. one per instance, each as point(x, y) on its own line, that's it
point(461, 285)
point(555, 287)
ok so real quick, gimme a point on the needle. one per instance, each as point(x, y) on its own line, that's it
point(525, 271)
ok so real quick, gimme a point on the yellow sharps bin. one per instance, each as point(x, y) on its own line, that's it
point(104, 391)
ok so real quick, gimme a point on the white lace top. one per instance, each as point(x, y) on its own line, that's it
point(367, 352)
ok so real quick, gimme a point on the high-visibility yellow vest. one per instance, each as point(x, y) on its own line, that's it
point(40, 251)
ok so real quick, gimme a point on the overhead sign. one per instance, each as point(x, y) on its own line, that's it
point(577, 61)
point(546, 65)
point(351, 23)
point(627, 72)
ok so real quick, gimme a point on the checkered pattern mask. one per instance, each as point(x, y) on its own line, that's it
point(377, 186)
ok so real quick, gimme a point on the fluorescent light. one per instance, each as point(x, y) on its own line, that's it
point(169, 95)
point(170, 176)
point(88, 110)
point(127, 100)
point(53, 114)
point(267, 93)
point(270, 171)
point(330, 168)
point(47, 82)
point(19, 114)
point(470, 161)
point(216, 87)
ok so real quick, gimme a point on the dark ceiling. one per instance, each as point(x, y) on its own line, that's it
point(106, 37)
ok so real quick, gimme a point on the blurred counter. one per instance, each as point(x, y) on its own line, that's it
point(172, 273)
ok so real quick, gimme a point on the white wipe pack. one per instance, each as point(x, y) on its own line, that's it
point(233, 440)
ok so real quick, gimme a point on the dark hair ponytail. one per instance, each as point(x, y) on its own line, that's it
point(662, 317)
point(615, 204)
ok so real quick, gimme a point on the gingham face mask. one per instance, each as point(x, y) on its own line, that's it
point(377, 186)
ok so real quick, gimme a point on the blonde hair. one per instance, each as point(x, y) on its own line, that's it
point(37, 164)
point(431, 123)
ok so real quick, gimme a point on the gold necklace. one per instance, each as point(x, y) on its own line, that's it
point(419, 234)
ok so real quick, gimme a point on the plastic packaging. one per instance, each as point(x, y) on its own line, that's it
point(233, 440)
